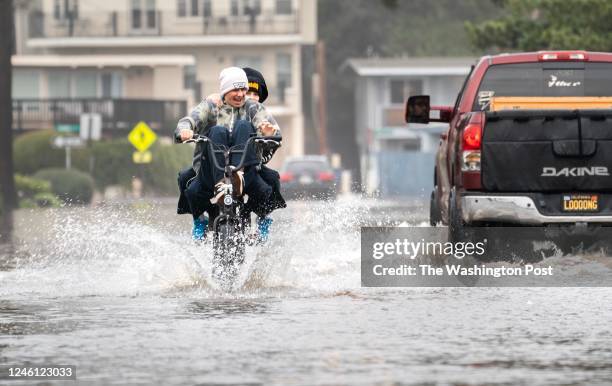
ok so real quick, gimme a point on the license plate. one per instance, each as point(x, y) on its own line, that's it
point(306, 180)
point(580, 203)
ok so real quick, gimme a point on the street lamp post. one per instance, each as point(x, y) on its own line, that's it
point(7, 179)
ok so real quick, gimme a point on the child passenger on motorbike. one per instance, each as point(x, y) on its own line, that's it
point(229, 121)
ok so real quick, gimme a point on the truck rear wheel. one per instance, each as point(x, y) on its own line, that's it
point(457, 231)
point(435, 217)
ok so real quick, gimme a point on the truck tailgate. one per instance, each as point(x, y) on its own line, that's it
point(547, 151)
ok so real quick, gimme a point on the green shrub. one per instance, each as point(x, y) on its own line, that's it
point(29, 186)
point(160, 175)
point(40, 200)
point(112, 163)
point(33, 151)
point(72, 186)
point(33, 192)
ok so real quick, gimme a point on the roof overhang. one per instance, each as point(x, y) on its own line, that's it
point(74, 61)
point(413, 71)
point(379, 67)
point(165, 41)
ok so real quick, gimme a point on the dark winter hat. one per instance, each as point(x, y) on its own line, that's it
point(257, 83)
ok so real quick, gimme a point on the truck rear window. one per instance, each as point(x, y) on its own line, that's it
point(544, 79)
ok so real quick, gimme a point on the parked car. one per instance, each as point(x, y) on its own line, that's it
point(308, 177)
point(529, 143)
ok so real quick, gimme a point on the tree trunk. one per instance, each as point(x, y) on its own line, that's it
point(7, 180)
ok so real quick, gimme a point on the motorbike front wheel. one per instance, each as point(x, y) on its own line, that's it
point(228, 251)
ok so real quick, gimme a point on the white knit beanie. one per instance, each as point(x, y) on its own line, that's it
point(232, 78)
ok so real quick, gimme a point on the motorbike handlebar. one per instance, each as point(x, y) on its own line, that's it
point(274, 140)
point(196, 139)
point(269, 139)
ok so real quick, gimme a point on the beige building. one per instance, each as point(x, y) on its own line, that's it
point(171, 50)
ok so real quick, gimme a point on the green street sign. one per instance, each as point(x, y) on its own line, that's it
point(67, 127)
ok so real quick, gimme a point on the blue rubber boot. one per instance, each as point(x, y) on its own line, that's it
point(199, 228)
point(263, 226)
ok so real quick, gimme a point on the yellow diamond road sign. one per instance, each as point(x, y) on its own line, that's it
point(141, 136)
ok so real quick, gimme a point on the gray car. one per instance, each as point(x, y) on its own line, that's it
point(308, 177)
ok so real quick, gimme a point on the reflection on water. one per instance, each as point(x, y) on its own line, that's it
point(32, 319)
point(225, 308)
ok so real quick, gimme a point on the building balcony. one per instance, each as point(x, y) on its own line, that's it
point(118, 115)
point(116, 26)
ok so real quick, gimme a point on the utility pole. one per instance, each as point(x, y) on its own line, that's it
point(322, 98)
point(7, 178)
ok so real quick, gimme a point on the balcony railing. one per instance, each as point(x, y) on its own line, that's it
point(158, 23)
point(118, 115)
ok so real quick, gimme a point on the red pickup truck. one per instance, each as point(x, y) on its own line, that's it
point(529, 143)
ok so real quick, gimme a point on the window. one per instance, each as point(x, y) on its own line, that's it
point(252, 7)
point(397, 91)
point(57, 10)
point(283, 69)
point(283, 74)
point(65, 9)
point(26, 84)
point(248, 61)
point(85, 85)
point(189, 77)
point(207, 8)
point(59, 84)
point(112, 85)
point(541, 79)
point(462, 90)
point(401, 89)
point(136, 14)
point(249, 7)
point(283, 7)
point(144, 14)
point(181, 8)
point(151, 14)
point(192, 8)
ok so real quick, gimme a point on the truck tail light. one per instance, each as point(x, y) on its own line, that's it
point(471, 161)
point(472, 136)
point(471, 146)
point(472, 141)
point(552, 56)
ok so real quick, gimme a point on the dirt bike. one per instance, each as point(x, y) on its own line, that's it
point(229, 227)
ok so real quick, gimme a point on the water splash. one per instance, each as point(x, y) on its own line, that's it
point(127, 251)
point(146, 250)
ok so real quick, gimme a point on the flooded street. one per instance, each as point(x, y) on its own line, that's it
point(493, 117)
point(122, 293)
